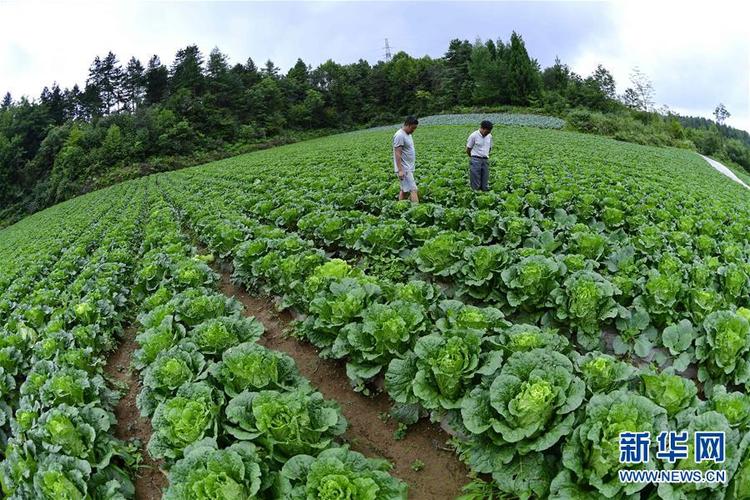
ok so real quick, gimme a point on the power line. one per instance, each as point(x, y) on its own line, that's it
point(387, 51)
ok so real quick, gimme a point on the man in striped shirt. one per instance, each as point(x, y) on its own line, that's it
point(404, 159)
point(478, 149)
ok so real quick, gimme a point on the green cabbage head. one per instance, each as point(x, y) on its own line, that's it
point(526, 406)
point(591, 453)
point(285, 423)
point(723, 352)
point(339, 474)
point(207, 472)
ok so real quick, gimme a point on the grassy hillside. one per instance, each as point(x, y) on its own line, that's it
point(599, 287)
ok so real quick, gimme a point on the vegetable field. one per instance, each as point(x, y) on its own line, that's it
point(599, 287)
point(472, 119)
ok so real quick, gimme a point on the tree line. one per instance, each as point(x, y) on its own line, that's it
point(130, 119)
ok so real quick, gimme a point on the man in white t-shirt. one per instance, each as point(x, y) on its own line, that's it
point(404, 158)
point(478, 149)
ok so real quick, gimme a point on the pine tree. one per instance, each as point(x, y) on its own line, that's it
point(524, 81)
point(270, 69)
point(224, 85)
point(90, 102)
point(72, 100)
point(457, 85)
point(54, 103)
point(93, 84)
point(156, 81)
point(300, 72)
point(217, 65)
point(488, 74)
point(247, 73)
point(187, 71)
point(298, 81)
point(135, 82)
point(7, 101)
point(106, 77)
point(556, 77)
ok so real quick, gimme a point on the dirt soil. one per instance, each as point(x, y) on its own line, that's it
point(443, 474)
point(149, 480)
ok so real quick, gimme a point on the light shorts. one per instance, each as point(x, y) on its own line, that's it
point(408, 184)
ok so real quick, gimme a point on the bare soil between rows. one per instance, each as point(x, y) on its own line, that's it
point(442, 475)
point(149, 480)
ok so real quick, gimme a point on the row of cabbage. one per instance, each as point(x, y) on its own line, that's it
point(660, 295)
point(625, 241)
point(60, 315)
point(513, 119)
point(614, 217)
point(231, 418)
point(519, 398)
point(30, 248)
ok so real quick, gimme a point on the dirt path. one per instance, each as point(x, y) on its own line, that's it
point(724, 170)
point(442, 475)
point(150, 479)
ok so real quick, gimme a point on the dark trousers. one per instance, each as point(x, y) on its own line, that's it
point(479, 173)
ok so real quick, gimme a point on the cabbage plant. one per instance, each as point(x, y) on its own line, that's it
point(709, 421)
point(387, 331)
point(206, 472)
point(735, 406)
point(335, 306)
point(480, 275)
point(586, 301)
point(454, 314)
point(530, 281)
point(673, 392)
point(216, 335)
point(176, 366)
point(526, 406)
point(188, 417)
point(285, 423)
point(440, 370)
point(591, 453)
point(522, 337)
point(79, 432)
point(603, 373)
point(723, 351)
point(339, 473)
point(442, 254)
point(249, 366)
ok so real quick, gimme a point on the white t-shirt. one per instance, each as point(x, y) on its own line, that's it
point(408, 155)
point(480, 146)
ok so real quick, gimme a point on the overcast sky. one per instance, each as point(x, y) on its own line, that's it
point(696, 53)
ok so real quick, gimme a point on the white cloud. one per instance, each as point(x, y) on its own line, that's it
point(42, 42)
point(696, 53)
point(55, 41)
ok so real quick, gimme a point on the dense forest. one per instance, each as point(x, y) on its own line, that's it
point(131, 119)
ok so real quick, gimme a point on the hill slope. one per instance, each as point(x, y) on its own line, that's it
point(598, 281)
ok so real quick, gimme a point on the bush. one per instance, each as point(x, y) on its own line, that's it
point(708, 142)
point(738, 153)
point(634, 126)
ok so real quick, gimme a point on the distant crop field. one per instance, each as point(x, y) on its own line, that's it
point(521, 120)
